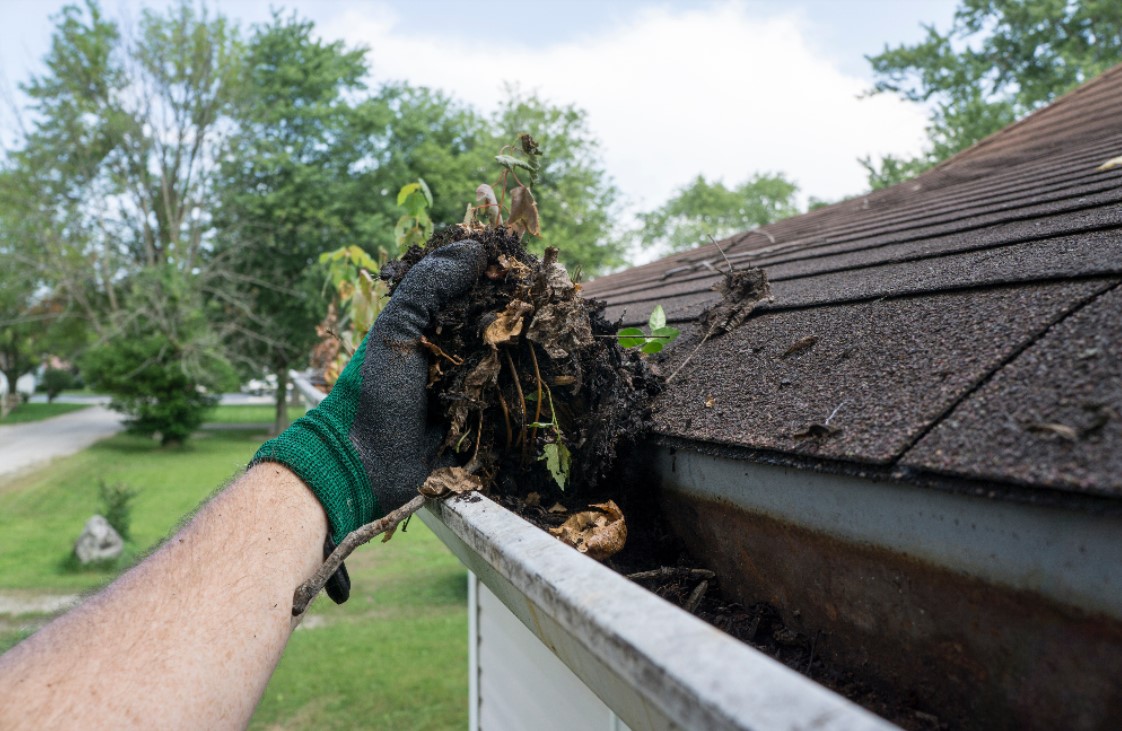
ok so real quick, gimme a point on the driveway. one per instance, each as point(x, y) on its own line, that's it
point(25, 445)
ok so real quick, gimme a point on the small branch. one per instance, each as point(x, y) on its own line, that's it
point(695, 598)
point(521, 396)
point(667, 571)
point(506, 418)
point(538, 406)
point(691, 355)
point(308, 590)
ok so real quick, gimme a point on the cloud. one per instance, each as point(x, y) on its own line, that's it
point(717, 90)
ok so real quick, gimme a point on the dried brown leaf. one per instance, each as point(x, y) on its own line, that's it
point(523, 212)
point(508, 323)
point(485, 196)
point(557, 509)
point(561, 328)
point(450, 481)
point(800, 345)
point(600, 533)
point(1111, 163)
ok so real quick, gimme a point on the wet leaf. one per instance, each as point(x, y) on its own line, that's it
point(524, 212)
point(508, 323)
point(510, 162)
point(557, 459)
point(561, 328)
point(631, 337)
point(450, 481)
point(600, 533)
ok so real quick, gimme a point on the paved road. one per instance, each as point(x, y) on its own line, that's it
point(25, 445)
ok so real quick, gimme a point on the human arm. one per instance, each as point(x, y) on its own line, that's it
point(190, 636)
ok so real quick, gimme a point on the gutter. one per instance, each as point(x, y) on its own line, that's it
point(653, 664)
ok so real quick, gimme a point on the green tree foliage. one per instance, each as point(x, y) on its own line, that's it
point(118, 167)
point(576, 198)
point(702, 210)
point(287, 190)
point(1000, 60)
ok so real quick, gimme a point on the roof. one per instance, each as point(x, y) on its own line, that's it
point(965, 325)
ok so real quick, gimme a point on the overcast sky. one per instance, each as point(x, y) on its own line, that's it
point(672, 89)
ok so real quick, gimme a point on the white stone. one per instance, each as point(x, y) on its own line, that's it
point(98, 542)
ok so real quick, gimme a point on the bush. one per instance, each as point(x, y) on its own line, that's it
point(116, 506)
point(55, 381)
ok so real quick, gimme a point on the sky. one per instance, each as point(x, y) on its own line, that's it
point(673, 89)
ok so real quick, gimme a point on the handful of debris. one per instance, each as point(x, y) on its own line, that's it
point(530, 378)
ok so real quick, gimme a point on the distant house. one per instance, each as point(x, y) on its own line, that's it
point(914, 452)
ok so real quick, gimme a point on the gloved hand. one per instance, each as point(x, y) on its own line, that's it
point(368, 446)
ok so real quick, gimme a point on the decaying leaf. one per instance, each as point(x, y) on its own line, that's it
point(800, 345)
point(450, 481)
point(1111, 163)
point(561, 328)
point(533, 499)
point(741, 292)
point(557, 459)
point(529, 144)
point(514, 268)
point(439, 352)
point(482, 376)
point(524, 212)
point(817, 431)
point(485, 196)
point(600, 533)
point(557, 509)
point(508, 324)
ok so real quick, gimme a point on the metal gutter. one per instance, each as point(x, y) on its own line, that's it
point(656, 666)
point(653, 664)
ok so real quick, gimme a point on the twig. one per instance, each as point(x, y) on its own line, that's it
point(813, 646)
point(695, 598)
point(308, 590)
point(506, 418)
point(668, 571)
point(834, 413)
point(538, 406)
point(478, 438)
point(521, 396)
point(342, 343)
point(731, 268)
point(692, 354)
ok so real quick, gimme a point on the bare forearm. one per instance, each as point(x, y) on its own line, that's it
point(188, 638)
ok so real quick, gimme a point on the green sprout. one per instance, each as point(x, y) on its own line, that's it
point(659, 336)
point(556, 455)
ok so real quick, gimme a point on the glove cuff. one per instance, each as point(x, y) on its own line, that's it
point(316, 448)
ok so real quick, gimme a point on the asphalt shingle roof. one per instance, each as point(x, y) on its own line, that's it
point(966, 324)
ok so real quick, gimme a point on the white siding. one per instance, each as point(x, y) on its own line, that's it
point(519, 684)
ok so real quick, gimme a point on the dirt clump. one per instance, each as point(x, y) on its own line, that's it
point(537, 394)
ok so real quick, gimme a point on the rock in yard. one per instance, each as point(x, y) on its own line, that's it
point(98, 542)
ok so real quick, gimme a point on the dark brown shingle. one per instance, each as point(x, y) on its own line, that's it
point(948, 315)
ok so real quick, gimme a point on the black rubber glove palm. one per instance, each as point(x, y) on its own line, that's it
point(368, 446)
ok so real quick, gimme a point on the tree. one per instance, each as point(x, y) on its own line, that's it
point(289, 188)
point(1000, 60)
point(702, 210)
point(575, 196)
point(119, 163)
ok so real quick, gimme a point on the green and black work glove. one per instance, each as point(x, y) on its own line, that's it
point(369, 445)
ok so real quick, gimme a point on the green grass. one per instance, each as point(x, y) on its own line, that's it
point(37, 412)
point(395, 655)
point(249, 414)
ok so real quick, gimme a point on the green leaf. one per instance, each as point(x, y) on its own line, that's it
point(540, 424)
point(415, 204)
point(665, 334)
point(658, 318)
point(406, 191)
point(557, 459)
point(510, 162)
point(630, 337)
point(652, 347)
point(425, 190)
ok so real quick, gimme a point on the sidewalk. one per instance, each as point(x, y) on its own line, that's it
point(25, 445)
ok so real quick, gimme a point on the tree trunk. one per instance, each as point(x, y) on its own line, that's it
point(280, 422)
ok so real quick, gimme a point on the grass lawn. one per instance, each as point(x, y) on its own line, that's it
point(395, 655)
point(36, 412)
point(250, 414)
